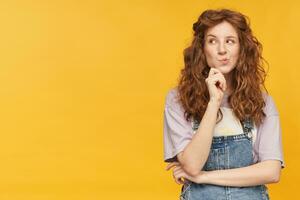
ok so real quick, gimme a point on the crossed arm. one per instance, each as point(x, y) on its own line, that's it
point(264, 172)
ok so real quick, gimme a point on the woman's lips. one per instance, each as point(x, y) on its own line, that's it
point(225, 61)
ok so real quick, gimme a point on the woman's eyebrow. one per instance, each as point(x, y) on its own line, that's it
point(230, 36)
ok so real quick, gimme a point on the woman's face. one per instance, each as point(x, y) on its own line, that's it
point(221, 47)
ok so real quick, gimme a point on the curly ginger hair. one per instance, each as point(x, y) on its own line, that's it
point(248, 76)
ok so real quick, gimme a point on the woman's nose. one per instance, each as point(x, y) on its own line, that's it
point(221, 49)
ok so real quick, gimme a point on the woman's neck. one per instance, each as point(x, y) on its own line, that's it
point(228, 83)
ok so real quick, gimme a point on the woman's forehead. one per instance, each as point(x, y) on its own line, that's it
point(224, 29)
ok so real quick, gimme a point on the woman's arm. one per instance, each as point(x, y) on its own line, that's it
point(196, 152)
point(264, 172)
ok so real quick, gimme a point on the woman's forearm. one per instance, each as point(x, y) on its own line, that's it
point(260, 173)
point(196, 153)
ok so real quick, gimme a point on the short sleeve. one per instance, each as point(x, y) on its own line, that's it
point(269, 132)
point(177, 131)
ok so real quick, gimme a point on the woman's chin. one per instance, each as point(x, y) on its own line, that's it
point(224, 69)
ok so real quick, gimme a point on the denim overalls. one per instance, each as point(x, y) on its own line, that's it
point(227, 152)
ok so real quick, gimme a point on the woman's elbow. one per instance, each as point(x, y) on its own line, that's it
point(191, 170)
point(275, 178)
point(189, 167)
point(274, 170)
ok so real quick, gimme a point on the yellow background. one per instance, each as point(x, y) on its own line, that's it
point(83, 85)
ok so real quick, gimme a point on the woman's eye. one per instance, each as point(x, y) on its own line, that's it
point(214, 41)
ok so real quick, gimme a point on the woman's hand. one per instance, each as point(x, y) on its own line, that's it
point(216, 84)
point(180, 175)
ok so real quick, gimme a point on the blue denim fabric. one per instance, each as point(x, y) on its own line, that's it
point(227, 152)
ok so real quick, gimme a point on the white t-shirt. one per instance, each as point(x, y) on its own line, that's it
point(230, 124)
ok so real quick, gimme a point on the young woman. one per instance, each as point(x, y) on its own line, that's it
point(222, 134)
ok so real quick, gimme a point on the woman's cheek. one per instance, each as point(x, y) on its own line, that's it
point(211, 61)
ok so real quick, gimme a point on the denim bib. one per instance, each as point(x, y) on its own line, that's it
point(227, 152)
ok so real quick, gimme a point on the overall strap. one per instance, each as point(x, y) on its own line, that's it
point(247, 125)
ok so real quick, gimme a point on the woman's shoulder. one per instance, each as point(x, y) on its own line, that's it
point(172, 96)
point(172, 100)
point(270, 106)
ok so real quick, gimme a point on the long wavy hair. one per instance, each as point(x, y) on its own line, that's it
point(248, 76)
